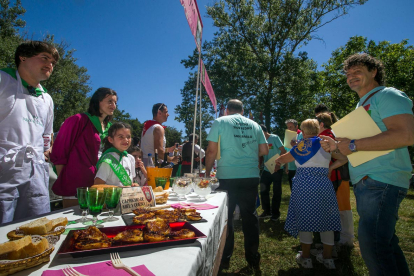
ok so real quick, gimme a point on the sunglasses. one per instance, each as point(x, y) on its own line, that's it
point(159, 108)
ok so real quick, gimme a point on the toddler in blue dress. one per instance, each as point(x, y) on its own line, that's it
point(313, 206)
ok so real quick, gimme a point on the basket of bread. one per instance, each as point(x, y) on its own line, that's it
point(42, 227)
point(24, 253)
point(160, 195)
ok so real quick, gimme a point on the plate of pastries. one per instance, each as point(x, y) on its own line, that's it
point(142, 215)
point(154, 233)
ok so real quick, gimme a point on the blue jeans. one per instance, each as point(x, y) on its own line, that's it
point(377, 205)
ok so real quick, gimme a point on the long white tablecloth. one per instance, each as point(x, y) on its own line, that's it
point(190, 259)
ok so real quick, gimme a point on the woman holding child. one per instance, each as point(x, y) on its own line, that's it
point(76, 148)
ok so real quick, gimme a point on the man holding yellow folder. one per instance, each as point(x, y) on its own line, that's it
point(381, 183)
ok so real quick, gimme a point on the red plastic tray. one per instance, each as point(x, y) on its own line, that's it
point(68, 246)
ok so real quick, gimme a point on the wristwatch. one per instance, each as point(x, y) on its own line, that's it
point(352, 146)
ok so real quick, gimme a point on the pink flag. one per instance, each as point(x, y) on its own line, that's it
point(194, 20)
point(207, 85)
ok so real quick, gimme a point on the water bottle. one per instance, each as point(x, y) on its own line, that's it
point(150, 162)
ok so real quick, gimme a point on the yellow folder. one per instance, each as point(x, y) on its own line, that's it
point(218, 149)
point(356, 125)
point(289, 136)
point(270, 164)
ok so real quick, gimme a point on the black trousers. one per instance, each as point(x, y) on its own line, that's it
point(242, 192)
point(265, 181)
point(291, 175)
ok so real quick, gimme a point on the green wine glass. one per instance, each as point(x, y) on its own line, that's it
point(96, 200)
point(82, 194)
point(113, 194)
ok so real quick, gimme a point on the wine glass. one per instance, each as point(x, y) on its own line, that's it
point(214, 184)
point(96, 200)
point(172, 193)
point(203, 188)
point(113, 194)
point(82, 194)
point(182, 186)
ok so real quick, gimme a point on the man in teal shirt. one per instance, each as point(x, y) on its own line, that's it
point(266, 179)
point(241, 143)
point(381, 183)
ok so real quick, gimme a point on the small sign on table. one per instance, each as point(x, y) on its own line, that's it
point(136, 197)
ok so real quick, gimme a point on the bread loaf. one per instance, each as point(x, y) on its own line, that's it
point(102, 186)
point(13, 246)
point(38, 227)
point(29, 250)
point(59, 222)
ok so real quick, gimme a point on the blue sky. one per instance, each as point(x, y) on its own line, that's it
point(135, 46)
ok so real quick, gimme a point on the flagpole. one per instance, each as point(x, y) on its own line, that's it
point(195, 108)
point(199, 139)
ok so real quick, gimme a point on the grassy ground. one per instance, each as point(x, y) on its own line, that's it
point(278, 248)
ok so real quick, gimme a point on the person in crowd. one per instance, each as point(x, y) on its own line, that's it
point(242, 142)
point(79, 143)
point(26, 126)
point(186, 154)
point(321, 108)
point(116, 166)
point(346, 237)
point(140, 171)
point(313, 206)
point(381, 183)
point(267, 178)
point(153, 135)
point(290, 168)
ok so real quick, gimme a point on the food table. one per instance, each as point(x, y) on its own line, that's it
point(199, 258)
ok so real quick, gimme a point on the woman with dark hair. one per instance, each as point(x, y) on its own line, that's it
point(77, 145)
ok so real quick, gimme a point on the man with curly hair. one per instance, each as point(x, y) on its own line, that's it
point(381, 183)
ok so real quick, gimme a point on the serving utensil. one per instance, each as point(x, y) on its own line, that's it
point(118, 264)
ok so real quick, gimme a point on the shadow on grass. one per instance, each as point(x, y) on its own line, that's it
point(409, 196)
point(242, 272)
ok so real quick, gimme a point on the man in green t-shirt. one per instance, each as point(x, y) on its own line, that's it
point(266, 179)
point(241, 143)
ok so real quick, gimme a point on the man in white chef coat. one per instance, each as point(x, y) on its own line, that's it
point(26, 125)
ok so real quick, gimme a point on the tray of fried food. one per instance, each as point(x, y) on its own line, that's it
point(143, 217)
point(90, 238)
point(157, 230)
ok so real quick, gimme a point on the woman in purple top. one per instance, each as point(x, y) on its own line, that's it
point(76, 148)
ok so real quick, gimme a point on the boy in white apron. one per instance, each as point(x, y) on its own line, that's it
point(26, 124)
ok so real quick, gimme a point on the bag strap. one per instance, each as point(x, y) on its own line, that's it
point(370, 96)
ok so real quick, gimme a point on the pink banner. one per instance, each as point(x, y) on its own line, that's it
point(207, 85)
point(194, 20)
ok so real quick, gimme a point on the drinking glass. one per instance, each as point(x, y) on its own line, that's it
point(203, 188)
point(96, 200)
point(160, 181)
point(82, 194)
point(172, 180)
point(182, 186)
point(113, 194)
point(214, 184)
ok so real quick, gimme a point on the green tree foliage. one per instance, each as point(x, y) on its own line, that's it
point(122, 116)
point(9, 21)
point(256, 46)
point(397, 58)
point(173, 136)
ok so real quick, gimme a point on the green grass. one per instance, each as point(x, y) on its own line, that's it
point(278, 248)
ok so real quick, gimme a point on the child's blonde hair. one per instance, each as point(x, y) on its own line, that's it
point(310, 127)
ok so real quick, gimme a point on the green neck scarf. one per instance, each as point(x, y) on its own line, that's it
point(34, 91)
point(112, 149)
point(97, 124)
